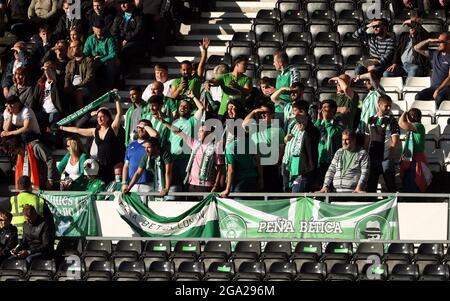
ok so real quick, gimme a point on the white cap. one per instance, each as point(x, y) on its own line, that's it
point(90, 167)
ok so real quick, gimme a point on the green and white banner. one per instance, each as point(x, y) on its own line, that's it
point(74, 213)
point(198, 221)
point(307, 218)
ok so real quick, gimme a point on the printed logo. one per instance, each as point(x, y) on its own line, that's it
point(372, 227)
point(233, 226)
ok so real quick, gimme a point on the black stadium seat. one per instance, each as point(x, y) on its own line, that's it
point(160, 271)
point(268, 14)
point(70, 268)
point(185, 251)
point(306, 252)
point(428, 253)
point(398, 253)
point(293, 14)
point(13, 269)
point(337, 252)
point(369, 252)
point(129, 271)
point(351, 15)
point(304, 59)
point(42, 270)
point(343, 272)
point(261, 26)
point(404, 272)
point(341, 5)
point(327, 39)
point(313, 5)
point(274, 39)
point(281, 271)
point(288, 27)
point(319, 25)
point(312, 271)
point(323, 14)
point(190, 271)
point(245, 251)
point(373, 272)
point(126, 250)
point(276, 251)
point(100, 271)
point(243, 39)
point(220, 271)
point(435, 272)
point(215, 251)
point(286, 5)
point(155, 250)
point(69, 246)
point(251, 271)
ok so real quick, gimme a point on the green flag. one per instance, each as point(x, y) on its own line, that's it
point(307, 218)
point(74, 213)
point(198, 221)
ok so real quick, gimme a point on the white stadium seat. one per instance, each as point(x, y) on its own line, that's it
point(392, 84)
point(416, 83)
point(428, 109)
point(398, 107)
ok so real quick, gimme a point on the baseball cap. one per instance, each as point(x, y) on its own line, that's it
point(90, 167)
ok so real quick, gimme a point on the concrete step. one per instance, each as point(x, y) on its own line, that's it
point(223, 29)
point(211, 37)
point(244, 6)
point(228, 15)
point(193, 50)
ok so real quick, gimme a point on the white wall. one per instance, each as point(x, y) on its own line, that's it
point(418, 221)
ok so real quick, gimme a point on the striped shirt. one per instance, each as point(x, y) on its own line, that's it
point(357, 174)
point(160, 128)
point(382, 49)
point(294, 145)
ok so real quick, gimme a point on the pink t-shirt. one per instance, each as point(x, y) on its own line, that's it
point(194, 177)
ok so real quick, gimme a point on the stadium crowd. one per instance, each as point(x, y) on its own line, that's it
point(188, 134)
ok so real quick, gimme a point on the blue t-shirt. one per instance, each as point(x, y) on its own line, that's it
point(441, 66)
point(134, 154)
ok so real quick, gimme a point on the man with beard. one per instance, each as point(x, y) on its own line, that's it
point(346, 99)
point(179, 150)
point(187, 82)
point(295, 92)
point(169, 107)
point(155, 104)
point(440, 64)
point(381, 46)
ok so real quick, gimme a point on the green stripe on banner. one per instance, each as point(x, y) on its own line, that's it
point(199, 221)
point(74, 213)
point(96, 103)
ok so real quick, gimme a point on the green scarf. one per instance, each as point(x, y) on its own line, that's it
point(347, 160)
point(207, 164)
point(145, 109)
point(154, 165)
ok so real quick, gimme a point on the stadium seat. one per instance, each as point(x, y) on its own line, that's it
point(327, 39)
point(281, 271)
point(214, 60)
point(245, 251)
point(323, 14)
point(326, 95)
point(220, 271)
point(337, 252)
point(369, 9)
point(155, 250)
point(339, 6)
point(350, 15)
point(428, 253)
point(97, 247)
point(404, 272)
point(373, 272)
point(41, 270)
point(312, 271)
point(330, 60)
point(265, 54)
point(351, 55)
point(310, 83)
point(416, 83)
point(276, 251)
point(126, 250)
point(69, 246)
point(304, 69)
point(129, 271)
point(433, 26)
point(314, 5)
point(324, 74)
point(397, 28)
point(427, 107)
point(294, 14)
point(306, 252)
point(270, 39)
point(236, 51)
point(190, 271)
point(435, 272)
point(343, 272)
point(250, 271)
point(100, 271)
point(300, 49)
point(319, 25)
point(268, 14)
point(185, 251)
point(267, 71)
point(392, 84)
point(215, 251)
point(243, 39)
point(160, 271)
point(398, 107)
point(367, 252)
point(291, 26)
point(13, 268)
point(286, 5)
point(70, 268)
point(346, 28)
point(318, 51)
point(261, 26)
point(294, 38)
point(438, 14)
point(432, 134)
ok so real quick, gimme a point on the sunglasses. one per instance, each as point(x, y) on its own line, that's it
point(376, 27)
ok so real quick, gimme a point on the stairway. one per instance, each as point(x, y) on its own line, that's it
point(218, 26)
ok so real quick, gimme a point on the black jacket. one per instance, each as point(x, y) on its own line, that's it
point(421, 35)
point(309, 153)
point(62, 29)
point(130, 31)
point(8, 240)
point(56, 93)
point(38, 238)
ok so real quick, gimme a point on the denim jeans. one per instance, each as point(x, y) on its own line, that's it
point(407, 70)
point(427, 94)
point(244, 185)
point(409, 179)
point(303, 184)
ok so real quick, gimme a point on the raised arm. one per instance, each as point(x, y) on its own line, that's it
point(275, 97)
point(404, 123)
point(249, 118)
point(203, 56)
point(119, 112)
point(90, 132)
point(198, 104)
point(422, 47)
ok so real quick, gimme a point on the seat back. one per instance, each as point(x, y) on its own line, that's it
point(134, 246)
point(18, 265)
point(218, 246)
point(69, 246)
point(43, 265)
point(99, 245)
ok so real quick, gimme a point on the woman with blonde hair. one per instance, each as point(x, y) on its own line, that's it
point(71, 165)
